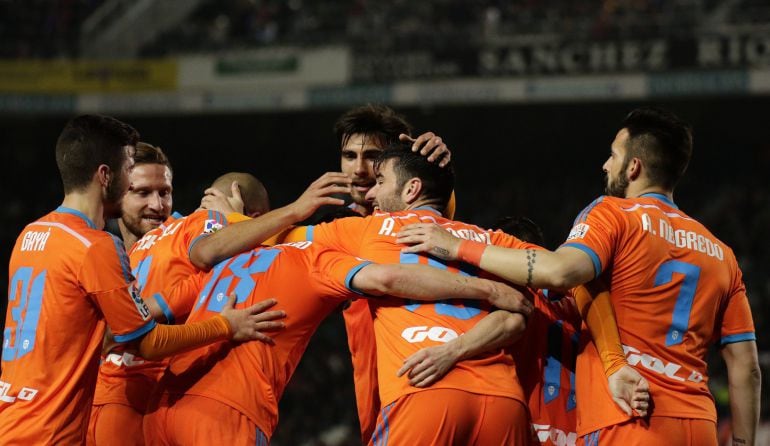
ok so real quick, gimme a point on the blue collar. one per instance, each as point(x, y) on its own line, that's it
point(75, 212)
point(660, 197)
point(427, 208)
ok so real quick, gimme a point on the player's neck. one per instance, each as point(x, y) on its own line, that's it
point(422, 203)
point(89, 202)
point(639, 190)
point(128, 237)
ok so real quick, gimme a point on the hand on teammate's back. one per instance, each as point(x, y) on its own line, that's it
point(430, 364)
point(320, 192)
point(215, 200)
point(429, 238)
point(248, 324)
point(630, 391)
point(431, 145)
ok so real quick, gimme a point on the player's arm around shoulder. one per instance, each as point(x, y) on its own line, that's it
point(529, 266)
point(422, 282)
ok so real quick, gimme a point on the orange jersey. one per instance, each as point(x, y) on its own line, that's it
point(66, 279)
point(402, 329)
point(359, 325)
point(159, 260)
point(545, 363)
point(251, 377)
point(675, 288)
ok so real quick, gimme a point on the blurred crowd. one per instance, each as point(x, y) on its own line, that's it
point(47, 29)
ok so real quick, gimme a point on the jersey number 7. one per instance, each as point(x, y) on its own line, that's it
point(680, 320)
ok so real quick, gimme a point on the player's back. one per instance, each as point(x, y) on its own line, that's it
point(53, 329)
point(159, 260)
point(672, 284)
point(545, 363)
point(307, 280)
point(403, 328)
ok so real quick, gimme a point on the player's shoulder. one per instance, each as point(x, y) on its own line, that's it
point(605, 202)
point(204, 220)
point(80, 228)
point(606, 206)
point(103, 240)
point(291, 256)
point(424, 213)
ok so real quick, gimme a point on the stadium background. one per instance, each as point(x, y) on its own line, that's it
point(528, 97)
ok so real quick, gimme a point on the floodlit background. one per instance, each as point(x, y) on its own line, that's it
point(528, 95)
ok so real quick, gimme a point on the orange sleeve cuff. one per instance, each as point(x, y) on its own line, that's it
point(471, 252)
point(596, 309)
point(235, 217)
point(167, 340)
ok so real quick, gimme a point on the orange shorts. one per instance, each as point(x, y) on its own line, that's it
point(450, 416)
point(115, 424)
point(656, 431)
point(200, 420)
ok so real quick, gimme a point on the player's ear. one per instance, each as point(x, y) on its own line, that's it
point(634, 168)
point(412, 190)
point(103, 174)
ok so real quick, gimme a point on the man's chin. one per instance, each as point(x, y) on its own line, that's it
point(360, 199)
point(614, 191)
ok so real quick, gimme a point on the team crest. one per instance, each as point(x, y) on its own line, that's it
point(211, 226)
point(579, 231)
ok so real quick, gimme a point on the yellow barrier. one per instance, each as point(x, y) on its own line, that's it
point(88, 76)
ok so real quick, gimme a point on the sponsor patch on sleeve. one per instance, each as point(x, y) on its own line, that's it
point(579, 231)
point(211, 226)
point(141, 307)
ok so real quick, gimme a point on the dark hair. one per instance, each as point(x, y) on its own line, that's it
point(329, 214)
point(662, 141)
point(437, 182)
point(377, 121)
point(149, 154)
point(89, 141)
point(522, 228)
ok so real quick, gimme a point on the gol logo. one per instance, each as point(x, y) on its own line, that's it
point(421, 333)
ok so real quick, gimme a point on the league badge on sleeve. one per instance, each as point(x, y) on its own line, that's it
point(144, 311)
point(211, 226)
point(579, 231)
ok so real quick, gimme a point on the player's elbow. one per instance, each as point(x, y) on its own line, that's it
point(376, 280)
point(203, 255)
point(751, 373)
point(149, 355)
point(742, 363)
point(148, 351)
point(513, 326)
point(561, 277)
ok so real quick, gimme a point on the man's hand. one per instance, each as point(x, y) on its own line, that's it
point(431, 145)
point(215, 200)
point(249, 323)
point(508, 298)
point(429, 238)
point(430, 364)
point(630, 391)
point(320, 193)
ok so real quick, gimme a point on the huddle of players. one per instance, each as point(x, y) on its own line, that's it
point(473, 389)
